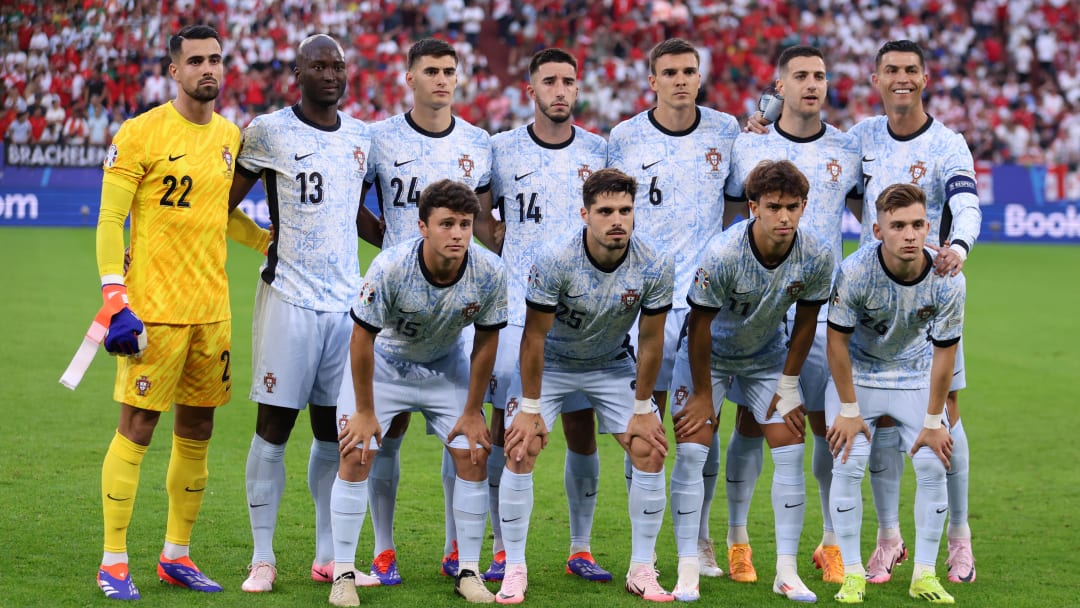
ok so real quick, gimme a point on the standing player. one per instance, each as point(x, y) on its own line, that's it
point(312, 161)
point(408, 152)
point(171, 169)
point(908, 146)
point(537, 176)
point(679, 154)
point(747, 279)
point(830, 160)
point(894, 326)
point(407, 348)
point(585, 291)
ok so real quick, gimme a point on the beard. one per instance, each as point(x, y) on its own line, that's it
point(204, 93)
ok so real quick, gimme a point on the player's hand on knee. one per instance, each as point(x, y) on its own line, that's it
point(697, 413)
point(937, 440)
point(471, 426)
point(841, 435)
point(788, 404)
point(648, 428)
point(358, 432)
point(521, 437)
point(126, 334)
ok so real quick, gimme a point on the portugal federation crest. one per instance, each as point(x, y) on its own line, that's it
point(713, 158)
point(466, 164)
point(917, 171)
point(795, 289)
point(360, 158)
point(680, 395)
point(469, 310)
point(142, 385)
point(630, 298)
point(926, 312)
point(835, 170)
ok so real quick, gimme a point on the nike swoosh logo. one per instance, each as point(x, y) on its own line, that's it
point(175, 158)
point(636, 589)
point(686, 512)
point(398, 163)
point(506, 521)
point(645, 167)
point(868, 159)
point(257, 506)
point(940, 511)
point(299, 157)
point(729, 480)
point(799, 504)
point(648, 512)
point(111, 497)
point(518, 178)
point(187, 489)
point(876, 471)
point(839, 510)
point(590, 494)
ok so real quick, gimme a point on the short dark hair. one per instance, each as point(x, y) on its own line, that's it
point(191, 32)
point(551, 55)
point(430, 47)
point(607, 181)
point(671, 46)
point(899, 196)
point(776, 176)
point(448, 194)
point(900, 46)
point(792, 52)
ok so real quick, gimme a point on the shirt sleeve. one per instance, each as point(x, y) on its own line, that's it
point(842, 315)
point(372, 308)
point(949, 323)
point(962, 195)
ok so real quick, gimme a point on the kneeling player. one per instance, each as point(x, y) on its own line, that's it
point(887, 303)
point(406, 347)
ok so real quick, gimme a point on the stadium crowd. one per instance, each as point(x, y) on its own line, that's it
point(1003, 73)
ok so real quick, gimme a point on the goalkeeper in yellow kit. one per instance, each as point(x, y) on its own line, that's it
point(170, 169)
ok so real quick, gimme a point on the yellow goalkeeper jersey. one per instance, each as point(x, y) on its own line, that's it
point(180, 173)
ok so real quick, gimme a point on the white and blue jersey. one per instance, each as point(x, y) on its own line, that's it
point(417, 320)
point(594, 308)
point(537, 188)
point(934, 158)
point(680, 199)
point(750, 298)
point(894, 323)
point(405, 159)
point(313, 177)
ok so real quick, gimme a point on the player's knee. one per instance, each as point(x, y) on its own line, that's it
point(928, 467)
point(352, 467)
point(644, 457)
point(851, 471)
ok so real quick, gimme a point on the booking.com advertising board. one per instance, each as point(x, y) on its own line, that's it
point(56, 185)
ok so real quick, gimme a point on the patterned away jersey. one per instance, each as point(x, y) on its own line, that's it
point(314, 177)
point(934, 158)
point(180, 173)
point(680, 199)
point(830, 162)
point(750, 299)
point(595, 308)
point(895, 322)
point(405, 159)
point(421, 321)
point(537, 188)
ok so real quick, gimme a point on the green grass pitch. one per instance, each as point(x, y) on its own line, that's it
point(1022, 327)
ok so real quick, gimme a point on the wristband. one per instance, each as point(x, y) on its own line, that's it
point(787, 387)
point(530, 406)
point(643, 406)
point(932, 422)
point(960, 251)
point(850, 410)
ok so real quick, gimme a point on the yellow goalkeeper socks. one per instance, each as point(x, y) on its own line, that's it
point(119, 482)
point(186, 484)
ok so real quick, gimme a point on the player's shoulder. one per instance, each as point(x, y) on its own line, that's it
point(862, 258)
point(588, 138)
point(729, 240)
point(509, 139)
point(224, 124)
point(629, 126)
point(836, 137)
point(484, 260)
point(396, 255)
point(470, 130)
point(717, 119)
point(650, 250)
point(354, 125)
point(869, 125)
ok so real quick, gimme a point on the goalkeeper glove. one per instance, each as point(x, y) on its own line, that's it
point(126, 334)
